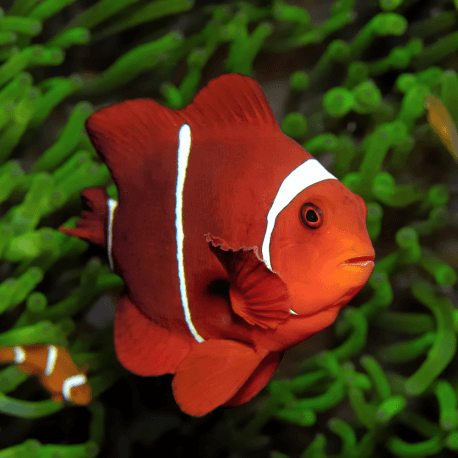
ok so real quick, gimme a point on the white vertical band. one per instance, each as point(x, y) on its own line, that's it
point(51, 361)
point(19, 355)
point(112, 204)
point(184, 148)
point(308, 173)
point(72, 382)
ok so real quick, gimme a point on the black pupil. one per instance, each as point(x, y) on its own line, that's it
point(311, 216)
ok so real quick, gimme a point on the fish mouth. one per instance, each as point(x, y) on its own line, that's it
point(366, 261)
point(360, 261)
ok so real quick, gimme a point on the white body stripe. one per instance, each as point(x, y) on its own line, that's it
point(308, 173)
point(19, 355)
point(184, 148)
point(112, 204)
point(72, 382)
point(51, 361)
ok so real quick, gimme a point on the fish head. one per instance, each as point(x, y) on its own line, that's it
point(81, 395)
point(321, 248)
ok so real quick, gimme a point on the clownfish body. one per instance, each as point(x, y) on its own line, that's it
point(440, 120)
point(55, 368)
point(233, 242)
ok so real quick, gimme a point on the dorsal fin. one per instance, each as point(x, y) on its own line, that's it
point(126, 133)
point(231, 99)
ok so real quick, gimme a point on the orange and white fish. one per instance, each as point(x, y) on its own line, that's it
point(55, 368)
point(440, 120)
point(234, 243)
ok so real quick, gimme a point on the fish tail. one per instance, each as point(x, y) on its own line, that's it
point(93, 225)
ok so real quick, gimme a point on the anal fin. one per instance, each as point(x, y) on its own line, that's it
point(258, 379)
point(146, 347)
point(212, 373)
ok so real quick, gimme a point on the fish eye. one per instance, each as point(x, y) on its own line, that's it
point(311, 215)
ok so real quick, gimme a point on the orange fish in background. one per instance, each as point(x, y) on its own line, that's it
point(440, 120)
point(233, 242)
point(55, 368)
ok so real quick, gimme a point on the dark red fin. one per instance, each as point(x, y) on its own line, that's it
point(258, 379)
point(127, 133)
point(231, 99)
point(257, 294)
point(143, 346)
point(92, 227)
point(212, 373)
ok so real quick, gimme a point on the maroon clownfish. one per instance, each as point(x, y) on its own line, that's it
point(55, 368)
point(233, 242)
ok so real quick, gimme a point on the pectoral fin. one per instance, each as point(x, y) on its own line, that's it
point(257, 294)
point(212, 373)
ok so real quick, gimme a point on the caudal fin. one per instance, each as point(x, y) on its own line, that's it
point(92, 227)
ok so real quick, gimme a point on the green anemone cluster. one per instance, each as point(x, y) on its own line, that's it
point(358, 76)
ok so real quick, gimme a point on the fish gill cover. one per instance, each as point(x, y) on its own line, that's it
point(354, 75)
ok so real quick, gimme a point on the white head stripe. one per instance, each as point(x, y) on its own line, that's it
point(184, 148)
point(308, 173)
point(19, 355)
point(112, 204)
point(51, 361)
point(72, 382)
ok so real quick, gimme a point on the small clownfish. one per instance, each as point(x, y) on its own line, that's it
point(440, 120)
point(234, 243)
point(55, 368)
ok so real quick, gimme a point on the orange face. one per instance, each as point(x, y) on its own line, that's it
point(321, 248)
point(81, 395)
